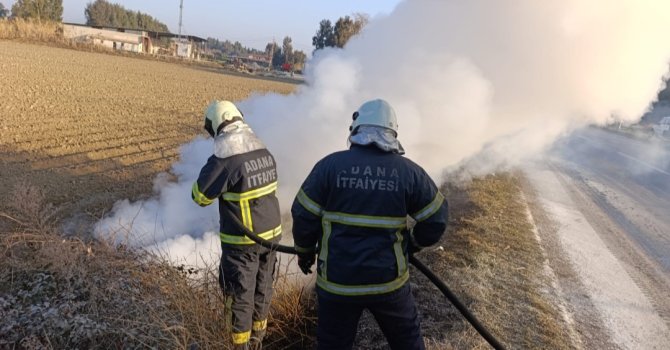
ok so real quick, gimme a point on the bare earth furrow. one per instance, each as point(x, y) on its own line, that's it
point(90, 129)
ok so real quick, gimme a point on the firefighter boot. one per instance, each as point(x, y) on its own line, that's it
point(243, 346)
point(256, 341)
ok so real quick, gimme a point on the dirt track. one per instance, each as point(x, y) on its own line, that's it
point(93, 128)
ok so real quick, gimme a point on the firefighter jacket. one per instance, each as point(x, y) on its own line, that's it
point(353, 209)
point(242, 174)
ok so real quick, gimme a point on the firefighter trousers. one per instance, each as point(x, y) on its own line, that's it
point(395, 313)
point(246, 274)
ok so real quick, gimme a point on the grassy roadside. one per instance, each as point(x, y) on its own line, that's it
point(67, 293)
point(492, 260)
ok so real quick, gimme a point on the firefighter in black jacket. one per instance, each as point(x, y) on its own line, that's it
point(352, 211)
point(243, 176)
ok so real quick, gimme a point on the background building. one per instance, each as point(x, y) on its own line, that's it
point(140, 41)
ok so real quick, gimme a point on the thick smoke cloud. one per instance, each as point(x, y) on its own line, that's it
point(478, 83)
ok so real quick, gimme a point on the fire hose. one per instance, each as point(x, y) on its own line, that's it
point(419, 265)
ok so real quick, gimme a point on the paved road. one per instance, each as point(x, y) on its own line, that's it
point(607, 200)
point(629, 180)
point(622, 186)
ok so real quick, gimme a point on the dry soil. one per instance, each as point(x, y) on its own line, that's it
point(91, 128)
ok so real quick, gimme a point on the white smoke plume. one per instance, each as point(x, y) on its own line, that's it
point(481, 83)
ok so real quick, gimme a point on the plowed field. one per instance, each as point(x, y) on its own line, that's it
point(91, 128)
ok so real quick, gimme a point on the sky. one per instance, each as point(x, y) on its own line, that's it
point(254, 23)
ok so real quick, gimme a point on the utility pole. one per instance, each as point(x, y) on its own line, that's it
point(181, 9)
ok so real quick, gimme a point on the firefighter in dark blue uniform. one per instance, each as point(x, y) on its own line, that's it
point(352, 211)
point(243, 176)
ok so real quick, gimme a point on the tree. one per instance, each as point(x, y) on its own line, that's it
point(269, 48)
point(346, 27)
point(299, 59)
point(325, 36)
point(103, 13)
point(50, 10)
point(3, 11)
point(228, 48)
point(287, 47)
point(277, 57)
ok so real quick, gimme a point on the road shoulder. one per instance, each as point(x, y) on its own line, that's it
point(604, 299)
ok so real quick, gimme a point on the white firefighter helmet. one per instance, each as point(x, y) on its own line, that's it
point(218, 113)
point(375, 112)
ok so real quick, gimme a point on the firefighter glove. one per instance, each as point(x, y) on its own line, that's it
point(305, 262)
point(413, 247)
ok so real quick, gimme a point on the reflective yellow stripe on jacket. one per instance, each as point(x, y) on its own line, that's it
point(369, 289)
point(429, 209)
point(244, 198)
point(237, 239)
point(309, 204)
point(253, 194)
point(327, 218)
point(198, 197)
point(365, 220)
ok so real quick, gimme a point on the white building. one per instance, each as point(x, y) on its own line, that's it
point(184, 48)
point(113, 38)
point(133, 40)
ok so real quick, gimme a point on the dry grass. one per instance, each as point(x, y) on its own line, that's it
point(66, 293)
point(493, 262)
point(30, 210)
point(29, 30)
point(45, 32)
point(292, 321)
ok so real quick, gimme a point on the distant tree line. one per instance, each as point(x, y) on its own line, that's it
point(281, 54)
point(285, 56)
point(50, 10)
point(338, 35)
point(103, 13)
point(4, 13)
point(228, 48)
